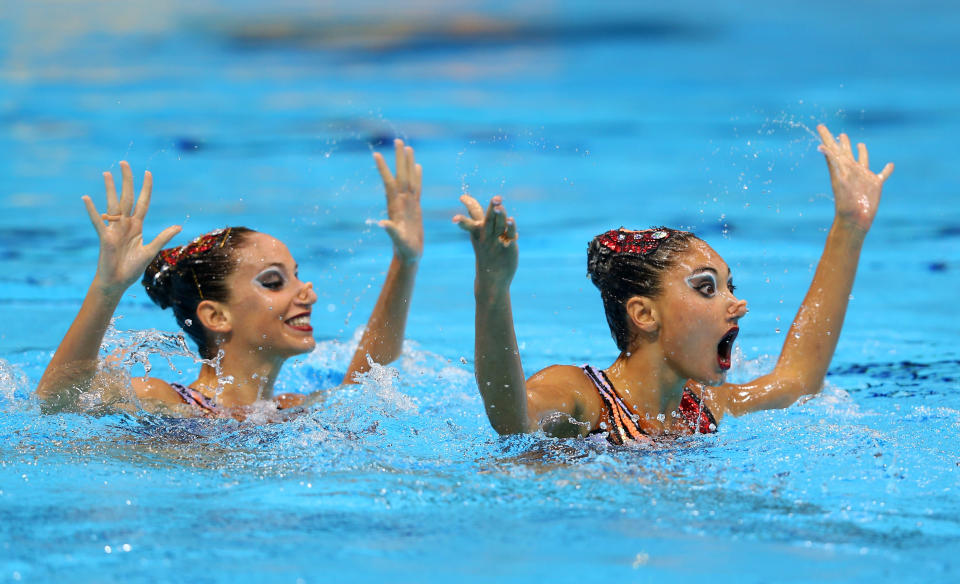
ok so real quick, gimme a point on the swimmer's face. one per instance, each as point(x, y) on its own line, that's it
point(269, 307)
point(699, 315)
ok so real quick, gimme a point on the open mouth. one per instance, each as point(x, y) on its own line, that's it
point(301, 322)
point(725, 348)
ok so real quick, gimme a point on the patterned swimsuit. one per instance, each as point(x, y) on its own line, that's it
point(621, 425)
point(193, 397)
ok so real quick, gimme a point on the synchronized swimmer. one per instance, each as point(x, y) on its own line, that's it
point(236, 293)
point(668, 297)
point(670, 304)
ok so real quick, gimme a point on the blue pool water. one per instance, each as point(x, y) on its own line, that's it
point(584, 118)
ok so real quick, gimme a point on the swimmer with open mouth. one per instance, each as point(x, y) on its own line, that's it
point(670, 304)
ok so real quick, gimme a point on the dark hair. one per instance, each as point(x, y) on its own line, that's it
point(623, 263)
point(181, 277)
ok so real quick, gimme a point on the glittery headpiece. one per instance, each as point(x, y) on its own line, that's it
point(201, 244)
point(638, 242)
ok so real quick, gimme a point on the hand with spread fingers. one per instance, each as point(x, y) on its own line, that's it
point(405, 225)
point(382, 339)
point(123, 256)
point(123, 259)
point(494, 238)
point(856, 189)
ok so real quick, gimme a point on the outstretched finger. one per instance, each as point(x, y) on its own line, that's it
point(401, 162)
point(126, 188)
point(496, 218)
point(388, 182)
point(845, 143)
point(490, 218)
point(418, 180)
point(827, 139)
point(411, 165)
point(95, 216)
point(828, 155)
point(466, 223)
point(862, 157)
point(163, 239)
point(143, 201)
point(390, 227)
point(510, 235)
point(113, 203)
point(473, 207)
point(886, 172)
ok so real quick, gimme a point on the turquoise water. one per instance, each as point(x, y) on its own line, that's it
point(583, 118)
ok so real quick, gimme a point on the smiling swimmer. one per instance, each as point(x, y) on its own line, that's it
point(237, 294)
point(669, 300)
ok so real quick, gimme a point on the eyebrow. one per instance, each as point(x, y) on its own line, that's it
point(274, 266)
point(281, 266)
point(711, 270)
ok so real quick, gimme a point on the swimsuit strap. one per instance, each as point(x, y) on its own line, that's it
point(193, 397)
point(695, 412)
point(620, 421)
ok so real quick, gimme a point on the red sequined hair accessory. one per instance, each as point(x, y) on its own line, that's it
point(638, 242)
point(201, 244)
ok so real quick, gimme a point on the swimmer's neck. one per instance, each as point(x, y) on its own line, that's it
point(647, 384)
point(242, 379)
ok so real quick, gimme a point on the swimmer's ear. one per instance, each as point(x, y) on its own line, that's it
point(643, 314)
point(214, 316)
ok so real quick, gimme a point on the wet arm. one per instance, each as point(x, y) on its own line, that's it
point(122, 260)
point(382, 340)
point(74, 364)
point(498, 369)
point(813, 336)
point(497, 366)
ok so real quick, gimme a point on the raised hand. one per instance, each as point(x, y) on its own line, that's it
point(405, 225)
point(856, 189)
point(494, 238)
point(123, 257)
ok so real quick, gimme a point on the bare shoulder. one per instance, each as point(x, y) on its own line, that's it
point(565, 388)
point(156, 390)
point(569, 375)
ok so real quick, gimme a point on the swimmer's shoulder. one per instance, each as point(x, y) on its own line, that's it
point(568, 389)
point(152, 389)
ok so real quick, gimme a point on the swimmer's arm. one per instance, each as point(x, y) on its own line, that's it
point(383, 335)
point(813, 336)
point(382, 339)
point(74, 364)
point(497, 365)
point(123, 257)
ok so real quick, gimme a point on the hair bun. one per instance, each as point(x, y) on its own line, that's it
point(599, 258)
point(157, 281)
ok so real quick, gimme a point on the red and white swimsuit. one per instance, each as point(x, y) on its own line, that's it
point(620, 424)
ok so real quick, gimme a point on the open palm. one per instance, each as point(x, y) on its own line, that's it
point(856, 189)
point(405, 223)
point(123, 256)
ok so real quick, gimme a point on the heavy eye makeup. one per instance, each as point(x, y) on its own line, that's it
point(271, 279)
point(705, 283)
